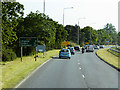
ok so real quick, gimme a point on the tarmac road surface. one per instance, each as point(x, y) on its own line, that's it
point(81, 71)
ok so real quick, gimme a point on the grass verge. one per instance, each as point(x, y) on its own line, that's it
point(114, 53)
point(109, 58)
point(116, 49)
point(15, 71)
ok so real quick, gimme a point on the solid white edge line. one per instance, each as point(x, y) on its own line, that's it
point(31, 73)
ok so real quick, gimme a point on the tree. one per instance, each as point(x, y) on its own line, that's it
point(61, 35)
point(72, 33)
point(111, 33)
point(102, 37)
point(12, 13)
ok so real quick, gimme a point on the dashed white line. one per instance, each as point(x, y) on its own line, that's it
point(78, 63)
point(83, 76)
point(80, 68)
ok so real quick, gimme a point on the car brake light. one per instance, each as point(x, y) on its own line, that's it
point(69, 53)
point(73, 50)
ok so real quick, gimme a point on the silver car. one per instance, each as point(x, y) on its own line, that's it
point(90, 48)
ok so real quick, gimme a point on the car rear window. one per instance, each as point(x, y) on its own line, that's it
point(71, 48)
point(64, 51)
point(76, 47)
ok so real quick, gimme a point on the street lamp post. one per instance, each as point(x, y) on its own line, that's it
point(63, 12)
point(78, 28)
point(44, 7)
point(90, 33)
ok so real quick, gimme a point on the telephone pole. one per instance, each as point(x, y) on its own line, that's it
point(44, 7)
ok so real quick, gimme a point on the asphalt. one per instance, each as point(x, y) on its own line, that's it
point(81, 71)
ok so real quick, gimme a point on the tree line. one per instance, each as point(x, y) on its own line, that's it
point(92, 36)
point(48, 31)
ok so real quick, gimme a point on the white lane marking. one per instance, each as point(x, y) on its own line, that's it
point(83, 76)
point(78, 63)
point(80, 68)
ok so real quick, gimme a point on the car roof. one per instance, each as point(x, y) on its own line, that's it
point(76, 46)
point(70, 47)
point(64, 49)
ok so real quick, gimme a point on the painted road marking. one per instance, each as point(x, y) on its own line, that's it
point(83, 76)
point(80, 68)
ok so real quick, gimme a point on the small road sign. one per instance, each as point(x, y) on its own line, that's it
point(65, 43)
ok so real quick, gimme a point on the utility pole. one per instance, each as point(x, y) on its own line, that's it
point(44, 7)
point(78, 29)
point(90, 33)
point(63, 12)
point(78, 32)
point(90, 36)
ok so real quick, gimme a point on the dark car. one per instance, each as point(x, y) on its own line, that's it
point(96, 47)
point(77, 48)
point(101, 46)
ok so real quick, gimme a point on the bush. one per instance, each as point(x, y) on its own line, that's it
point(8, 54)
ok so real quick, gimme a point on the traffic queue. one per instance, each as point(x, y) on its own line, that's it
point(67, 52)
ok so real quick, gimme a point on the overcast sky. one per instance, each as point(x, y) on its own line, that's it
point(95, 13)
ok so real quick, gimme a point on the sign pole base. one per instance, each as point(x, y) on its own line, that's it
point(21, 54)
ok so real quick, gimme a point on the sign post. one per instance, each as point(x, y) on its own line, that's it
point(21, 54)
point(36, 54)
point(28, 42)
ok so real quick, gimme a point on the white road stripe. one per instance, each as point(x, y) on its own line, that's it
point(83, 76)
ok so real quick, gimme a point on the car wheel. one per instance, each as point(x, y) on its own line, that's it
point(69, 57)
point(59, 57)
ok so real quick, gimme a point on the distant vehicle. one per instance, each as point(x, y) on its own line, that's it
point(65, 53)
point(90, 48)
point(72, 50)
point(77, 48)
point(96, 47)
point(83, 49)
point(101, 46)
point(86, 46)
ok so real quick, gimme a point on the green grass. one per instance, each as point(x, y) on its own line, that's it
point(14, 71)
point(116, 49)
point(114, 53)
point(108, 57)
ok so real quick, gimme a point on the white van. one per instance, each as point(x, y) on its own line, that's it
point(90, 48)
